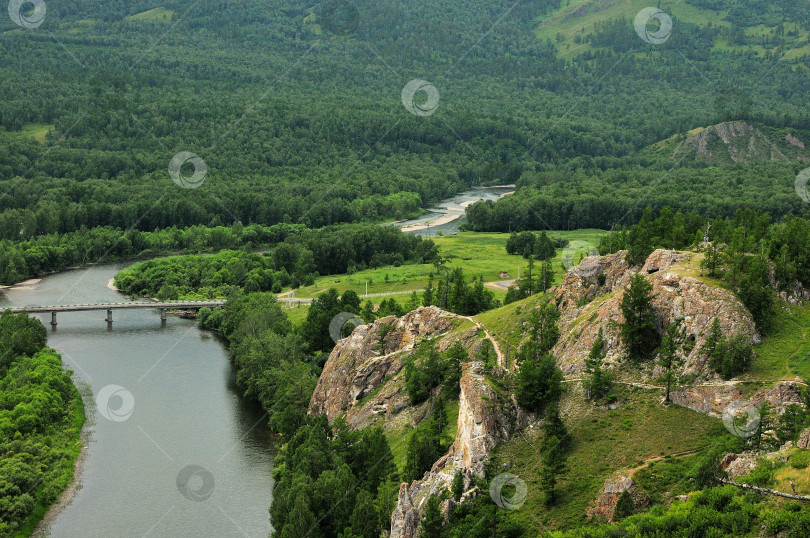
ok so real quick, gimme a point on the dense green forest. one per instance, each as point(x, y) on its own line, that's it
point(41, 416)
point(311, 128)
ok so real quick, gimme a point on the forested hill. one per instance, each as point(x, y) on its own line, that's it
point(296, 107)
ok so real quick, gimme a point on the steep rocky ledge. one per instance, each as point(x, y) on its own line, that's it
point(486, 418)
point(585, 306)
point(363, 381)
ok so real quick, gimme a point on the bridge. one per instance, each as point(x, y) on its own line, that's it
point(109, 307)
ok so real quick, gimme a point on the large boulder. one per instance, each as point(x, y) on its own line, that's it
point(604, 506)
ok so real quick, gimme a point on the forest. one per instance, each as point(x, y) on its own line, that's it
point(41, 416)
point(308, 149)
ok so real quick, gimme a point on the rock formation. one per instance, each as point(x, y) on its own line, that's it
point(585, 306)
point(605, 505)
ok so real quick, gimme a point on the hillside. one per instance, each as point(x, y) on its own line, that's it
point(736, 142)
point(364, 380)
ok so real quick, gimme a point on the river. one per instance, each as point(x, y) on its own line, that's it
point(447, 215)
point(182, 453)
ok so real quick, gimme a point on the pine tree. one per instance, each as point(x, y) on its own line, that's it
point(598, 382)
point(668, 357)
point(427, 298)
point(638, 331)
point(546, 277)
point(432, 520)
point(554, 464)
point(624, 507)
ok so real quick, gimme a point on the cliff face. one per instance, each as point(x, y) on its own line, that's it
point(585, 306)
point(370, 358)
point(363, 381)
point(486, 418)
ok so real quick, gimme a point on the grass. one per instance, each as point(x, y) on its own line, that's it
point(479, 254)
point(785, 352)
point(37, 131)
point(159, 14)
point(579, 17)
point(603, 442)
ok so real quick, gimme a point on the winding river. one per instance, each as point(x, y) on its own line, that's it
point(172, 447)
point(448, 214)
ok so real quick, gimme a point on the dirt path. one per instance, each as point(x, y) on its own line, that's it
point(630, 472)
point(500, 357)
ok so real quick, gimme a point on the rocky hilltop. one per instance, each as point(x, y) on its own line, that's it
point(586, 306)
point(739, 142)
point(363, 378)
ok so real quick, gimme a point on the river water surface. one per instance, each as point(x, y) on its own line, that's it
point(185, 410)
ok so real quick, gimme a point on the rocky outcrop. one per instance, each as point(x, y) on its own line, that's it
point(486, 418)
point(737, 465)
point(713, 400)
point(735, 141)
point(370, 356)
point(804, 439)
point(585, 306)
point(605, 505)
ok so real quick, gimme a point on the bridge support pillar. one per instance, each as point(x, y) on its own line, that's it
point(109, 316)
point(162, 314)
point(53, 319)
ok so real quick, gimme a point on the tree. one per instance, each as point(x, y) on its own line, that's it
point(427, 298)
point(554, 465)
point(638, 331)
point(668, 356)
point(432, 520)
point(539, 382)
point(597, 382)
point(624, 507)
point(546, 277)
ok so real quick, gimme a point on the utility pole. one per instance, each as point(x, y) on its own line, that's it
point(366, 288)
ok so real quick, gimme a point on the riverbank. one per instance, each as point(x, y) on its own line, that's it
point(44, 514)
point(73, 487)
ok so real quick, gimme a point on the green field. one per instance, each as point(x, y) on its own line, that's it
point(785, 352)
point(37, 131)
point(159, 14)
point(479, 254)
point(578, 18)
